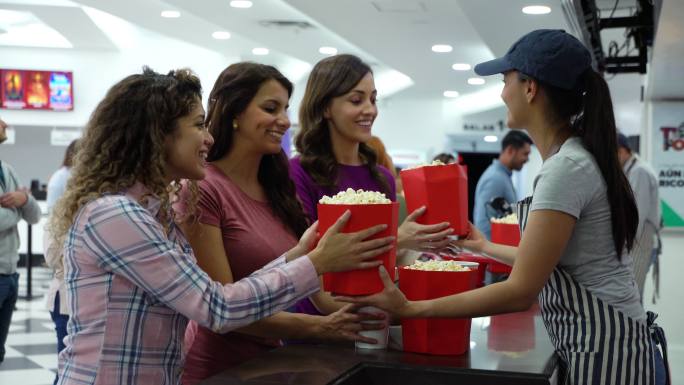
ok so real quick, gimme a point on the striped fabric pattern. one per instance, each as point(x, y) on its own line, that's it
point(598, 344)
point(131, 289)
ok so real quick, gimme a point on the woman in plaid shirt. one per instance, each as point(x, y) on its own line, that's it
point(132, 280)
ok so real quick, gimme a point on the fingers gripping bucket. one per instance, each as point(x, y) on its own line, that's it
point(443, 190)
point(363, 216)
point(444, 336)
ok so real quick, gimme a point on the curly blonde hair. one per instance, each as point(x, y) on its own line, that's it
point(123, 144)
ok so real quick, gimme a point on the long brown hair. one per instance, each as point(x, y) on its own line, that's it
point(233, 91)
point(589, 109)
point(123, 143)
point(330, 78)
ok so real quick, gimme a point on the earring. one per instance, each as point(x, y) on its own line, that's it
point(235, 125)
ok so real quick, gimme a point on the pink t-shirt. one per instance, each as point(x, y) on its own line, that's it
point(252, 237)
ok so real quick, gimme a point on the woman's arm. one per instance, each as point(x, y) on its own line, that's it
point(542, 244)
point(207, 244)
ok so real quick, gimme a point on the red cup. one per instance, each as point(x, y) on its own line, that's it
point(503, 234)
point(363, 216)
point(482, 262)
point(443, 190)
point(443, 336)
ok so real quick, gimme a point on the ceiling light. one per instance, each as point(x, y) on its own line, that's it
point(441, 48)
point(536, 10)
point(170, 14)
point(476, 81)
point(221, 35)
point(328, 50)
point(241, 4)
point(260, 51)
point(451, 94)
point(461, 67)
point(490, 138)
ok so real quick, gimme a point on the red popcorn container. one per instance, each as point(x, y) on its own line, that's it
point(442, 336)
point(503, 234)
point(482, 262)
point(443, 190)
point(363, 216)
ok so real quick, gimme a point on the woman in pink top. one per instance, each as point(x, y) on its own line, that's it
point(248, 215)
point(131, 277)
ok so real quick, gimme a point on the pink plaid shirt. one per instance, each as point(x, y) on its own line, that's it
point(132, 288)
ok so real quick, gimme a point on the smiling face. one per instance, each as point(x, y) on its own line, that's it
point(513, 95)
point(351, 116)
point(264, 122)
point(188, 145)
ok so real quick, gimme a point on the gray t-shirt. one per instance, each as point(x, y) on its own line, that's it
point(570, 181)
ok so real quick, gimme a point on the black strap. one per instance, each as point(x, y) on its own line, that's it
point(658, 335)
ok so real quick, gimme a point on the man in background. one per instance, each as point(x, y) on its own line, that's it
point(645, 187)
point(15, 204)
point(496, 181)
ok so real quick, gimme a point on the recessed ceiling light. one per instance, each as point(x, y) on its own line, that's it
point(221, 35)
point(450, 94)
point(260, 51)
point(241, 4)
point(490, 138)
point(441, 48)
point(170, 14)
point(328, 50)
point(461, 67)
point(476, 81)
point(536, 10)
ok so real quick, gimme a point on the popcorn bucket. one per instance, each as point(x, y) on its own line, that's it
point(447, 336)
point(503, 234)
point(443, 190)
point(482, 262)
point(363, 216)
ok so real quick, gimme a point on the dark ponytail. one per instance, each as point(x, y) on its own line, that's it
point(590, 110)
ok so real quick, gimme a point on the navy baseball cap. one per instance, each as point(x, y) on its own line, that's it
point(552, 56)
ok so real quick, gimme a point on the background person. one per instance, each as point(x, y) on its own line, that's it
point(496, 180)
point(15, 204)
point(55, 298)
point(644, 184)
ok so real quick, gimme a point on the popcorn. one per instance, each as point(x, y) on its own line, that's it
point(510, 219)
point(434, 163)
point(355, 197)
point(434, 265)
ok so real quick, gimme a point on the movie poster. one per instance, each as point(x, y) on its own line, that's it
point(13, 89)
point(36, 90)
point(61, 95)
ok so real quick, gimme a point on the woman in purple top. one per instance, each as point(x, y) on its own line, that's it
point(336, 116)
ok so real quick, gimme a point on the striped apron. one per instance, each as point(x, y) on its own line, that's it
point(597, 343)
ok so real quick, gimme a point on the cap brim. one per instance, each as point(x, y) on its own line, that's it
point(493, 67)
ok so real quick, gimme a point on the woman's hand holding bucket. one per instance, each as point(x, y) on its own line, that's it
point(337, 251)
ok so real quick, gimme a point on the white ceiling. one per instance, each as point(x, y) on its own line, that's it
point(390, 34)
